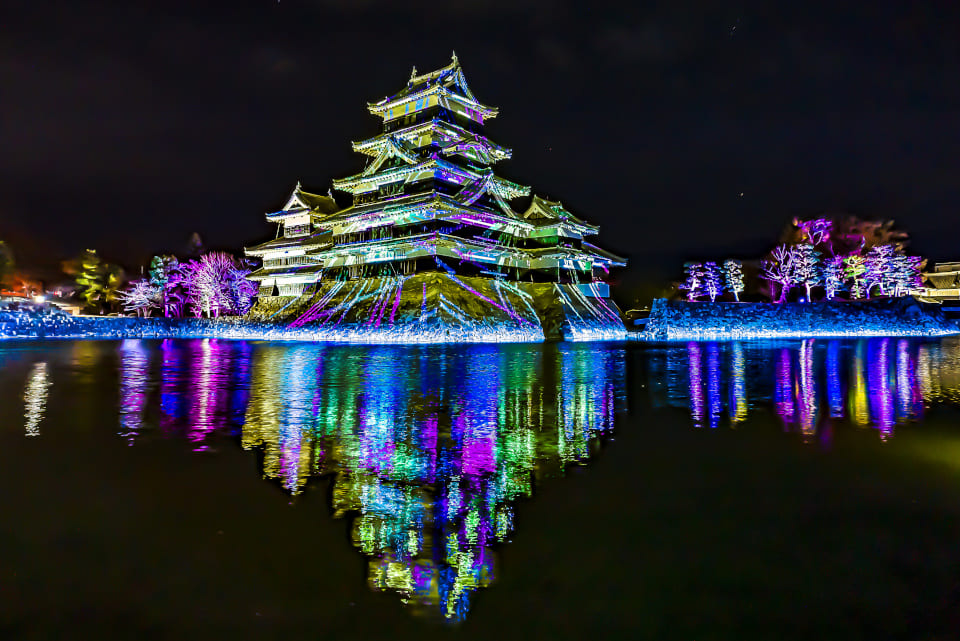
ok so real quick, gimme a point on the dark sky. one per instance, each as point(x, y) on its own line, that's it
point(126, 126)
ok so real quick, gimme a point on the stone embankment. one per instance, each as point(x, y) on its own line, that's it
point(683, 321)
point(42, 321)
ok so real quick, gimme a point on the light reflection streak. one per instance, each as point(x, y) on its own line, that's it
point(713, 383)
point(738, 384)
point(696, 383)
point(35, 395)
point(134, 379)
point(807, 391)
point(884, 382)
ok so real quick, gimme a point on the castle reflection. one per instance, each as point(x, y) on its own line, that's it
point(877, 383)
point(429, 447)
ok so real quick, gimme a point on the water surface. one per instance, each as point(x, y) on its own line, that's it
point(256, 489)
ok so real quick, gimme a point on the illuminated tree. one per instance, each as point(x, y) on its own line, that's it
point(806, 266)
point(879, 265)
point(853, 271)
point(832, 276)
point(90, 275)
point(241, 290)
point(217, 285)
point(112, 286)
point(162, 276)
point(733, 277)
point(906, 274)
point(141, 297)
point(817, 230)
point(693, 284)
point(712, 280)
point(778, 269)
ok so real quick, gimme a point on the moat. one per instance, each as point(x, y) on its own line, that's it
point(789, 489)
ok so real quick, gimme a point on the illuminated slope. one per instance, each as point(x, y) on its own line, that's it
point(433, 307)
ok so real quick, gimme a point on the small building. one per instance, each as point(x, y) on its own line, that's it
point(942, 283)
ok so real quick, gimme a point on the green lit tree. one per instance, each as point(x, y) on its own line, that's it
point(163, 277)
point(112, 287)
point(89, 273)
point(854, 269)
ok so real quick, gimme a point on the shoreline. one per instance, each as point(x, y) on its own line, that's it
point(669, 322)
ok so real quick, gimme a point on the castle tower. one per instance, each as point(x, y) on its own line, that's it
point(432, 248)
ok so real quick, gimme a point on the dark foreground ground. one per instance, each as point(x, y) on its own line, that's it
point(669, 533)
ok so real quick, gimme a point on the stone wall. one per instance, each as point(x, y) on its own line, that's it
point(681, 320)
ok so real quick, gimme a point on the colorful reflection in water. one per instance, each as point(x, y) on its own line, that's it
point(874, 383)
point(429, 448)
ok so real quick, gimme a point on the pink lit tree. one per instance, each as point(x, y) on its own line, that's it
point(879, 264)
point(778, 269)
point(140, 297)
point(817, 230)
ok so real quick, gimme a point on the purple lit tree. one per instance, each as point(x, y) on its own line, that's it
point(210, 284)
point(177, 289)
point(879, 266)
point(712, 280)
point(778, 269)
point(832, 276)
point(806, 266)
point(141, 297)
point(215, 285)
point(817, 230)
point(733, 277)
point(853, 271)
point(694, 282)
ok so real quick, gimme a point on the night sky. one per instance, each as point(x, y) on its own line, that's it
point(125, 126)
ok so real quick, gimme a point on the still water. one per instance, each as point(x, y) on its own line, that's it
point(430, 461)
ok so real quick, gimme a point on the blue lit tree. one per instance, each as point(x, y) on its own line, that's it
point(694, 282)
point(733, 277)
point(906, 274)
point(832, 276)
point(712, 280)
